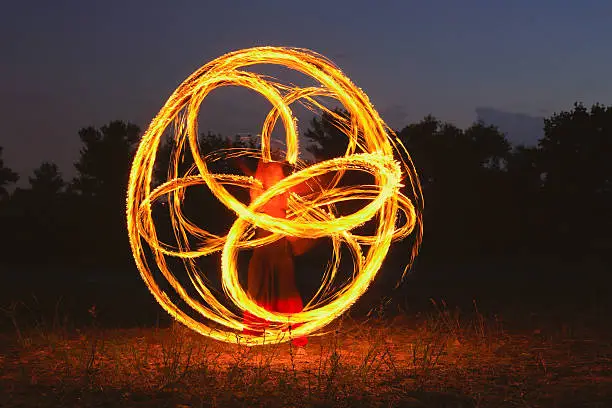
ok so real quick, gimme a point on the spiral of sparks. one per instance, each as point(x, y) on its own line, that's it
point(372, 148)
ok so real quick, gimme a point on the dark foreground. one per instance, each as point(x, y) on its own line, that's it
point(520, 334)
point(438, 359)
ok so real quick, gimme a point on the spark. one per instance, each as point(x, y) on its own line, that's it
point(372, 148)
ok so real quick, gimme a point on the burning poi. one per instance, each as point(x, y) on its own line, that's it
point(309, 214)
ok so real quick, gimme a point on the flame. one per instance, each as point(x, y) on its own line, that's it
point(370, 149)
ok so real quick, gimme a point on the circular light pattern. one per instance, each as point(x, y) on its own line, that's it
point(372, 148)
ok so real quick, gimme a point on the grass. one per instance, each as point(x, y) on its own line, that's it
point(443, 358)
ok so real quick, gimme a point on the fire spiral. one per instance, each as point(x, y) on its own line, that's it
point(372, 148)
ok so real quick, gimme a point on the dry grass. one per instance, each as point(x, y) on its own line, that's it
point(443, 359)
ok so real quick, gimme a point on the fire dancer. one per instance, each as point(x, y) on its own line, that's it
point(271, 273)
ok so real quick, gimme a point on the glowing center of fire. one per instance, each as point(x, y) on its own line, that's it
point(371, 149)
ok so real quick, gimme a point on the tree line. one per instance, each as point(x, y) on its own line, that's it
point(484, 197)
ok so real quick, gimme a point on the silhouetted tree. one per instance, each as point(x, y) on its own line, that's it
point(482, 196)
point(488, 150)
point(524, 168)
point(462, 178)
point(104, 165)
point(327, 136)
point(577, 178)
point(7, 216)
point(7, 176)
point(100, 189)
point(524, 209)
point(489, 147)
point(47, 180)
point(40, 218)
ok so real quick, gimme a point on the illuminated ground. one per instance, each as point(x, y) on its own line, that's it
point(442, 359)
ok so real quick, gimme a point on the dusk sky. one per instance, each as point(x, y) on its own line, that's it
point(70, 64)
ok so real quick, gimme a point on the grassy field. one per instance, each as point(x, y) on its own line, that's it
point(440, 358)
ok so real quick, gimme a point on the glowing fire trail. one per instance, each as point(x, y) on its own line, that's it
point(372, 148)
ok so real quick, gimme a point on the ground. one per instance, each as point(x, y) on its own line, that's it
point(440, 358)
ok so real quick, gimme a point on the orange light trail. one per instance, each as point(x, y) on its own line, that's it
point(373, 148)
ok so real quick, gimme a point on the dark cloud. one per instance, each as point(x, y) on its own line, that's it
point(520, 128)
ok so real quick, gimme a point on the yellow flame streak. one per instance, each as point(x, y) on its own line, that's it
point(370, 149)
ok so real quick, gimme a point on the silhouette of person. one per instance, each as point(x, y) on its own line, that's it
point(271, 271)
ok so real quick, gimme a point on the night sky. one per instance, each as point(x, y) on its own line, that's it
point(70, 64)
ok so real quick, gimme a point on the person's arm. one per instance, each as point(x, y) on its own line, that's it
point(244, 168)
